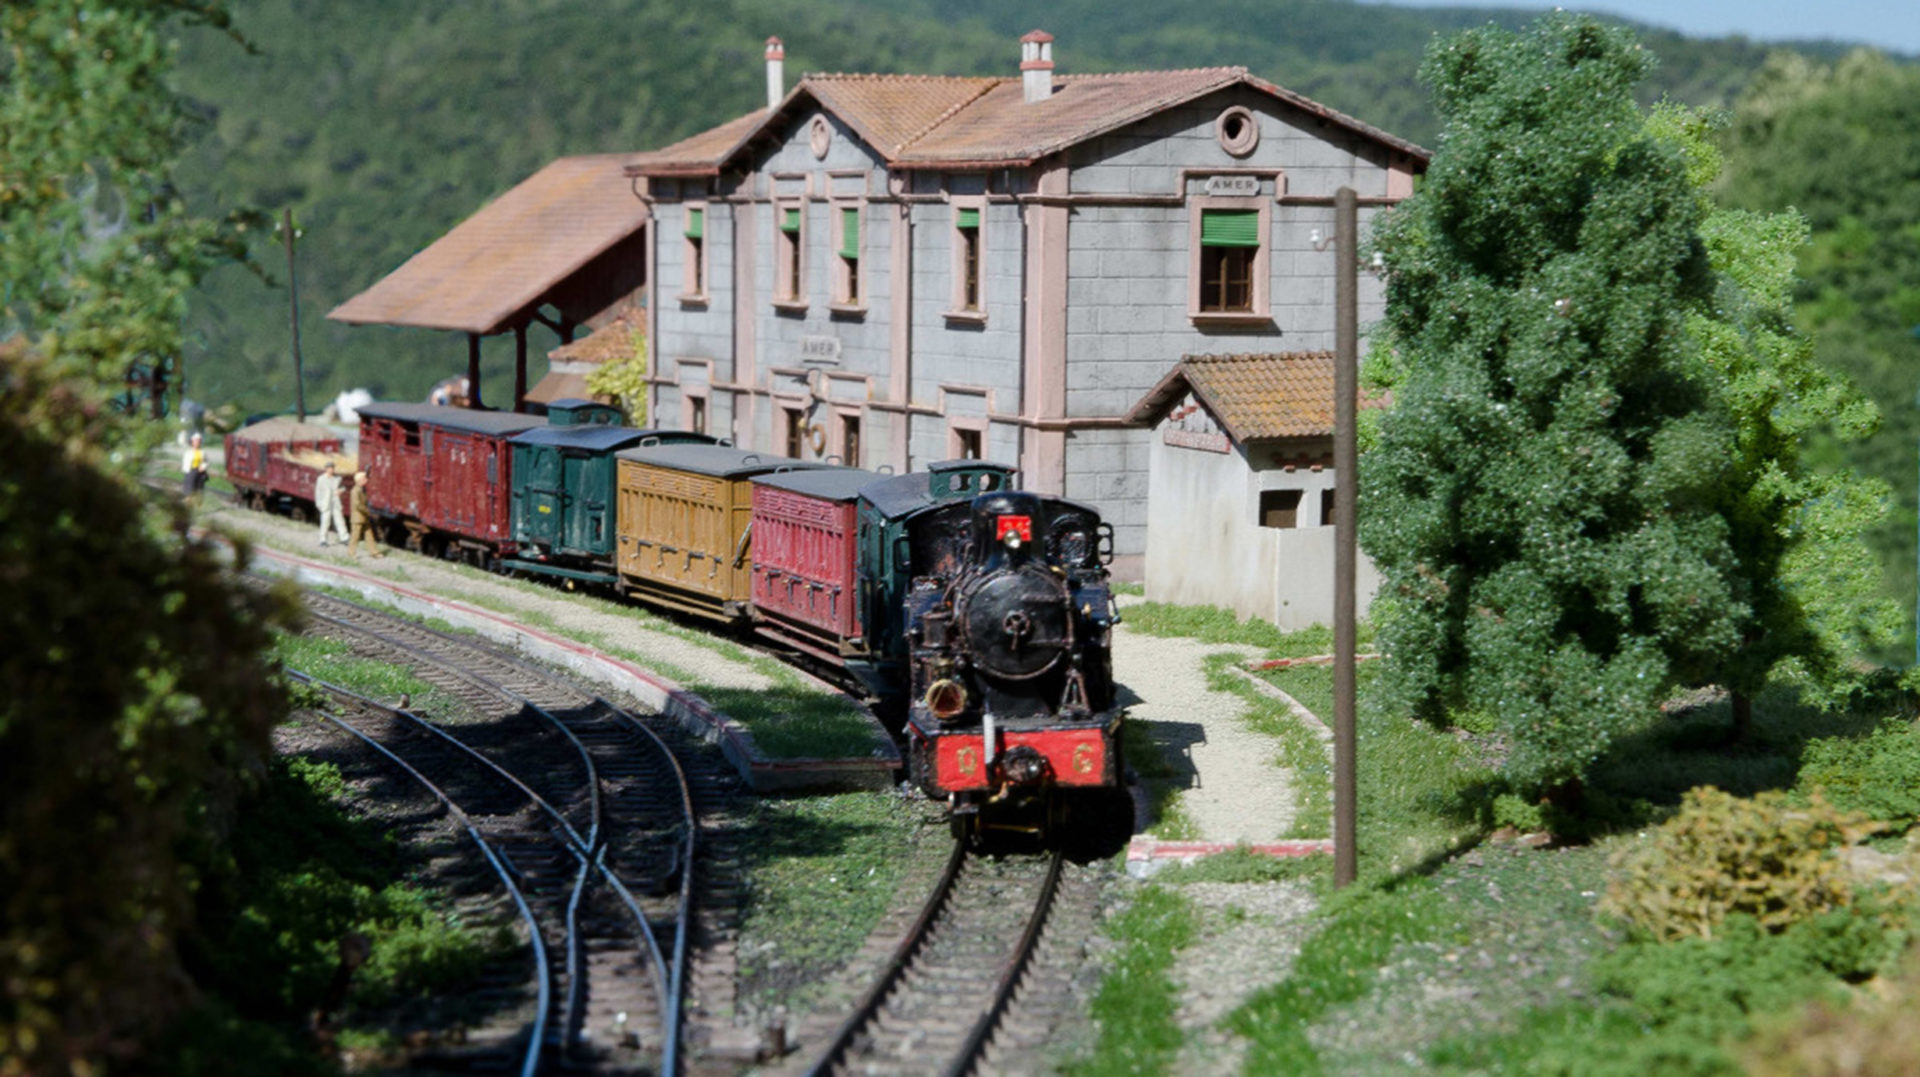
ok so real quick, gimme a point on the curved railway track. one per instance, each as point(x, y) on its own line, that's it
point(600, 826)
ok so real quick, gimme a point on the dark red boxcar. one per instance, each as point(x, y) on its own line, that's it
point(444, 471)
point(805, 540)
point(273, 463)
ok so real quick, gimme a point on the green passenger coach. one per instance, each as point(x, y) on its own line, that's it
point(564, 482)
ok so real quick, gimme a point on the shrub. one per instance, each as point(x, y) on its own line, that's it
point(1878, 775)
point(1766, 857)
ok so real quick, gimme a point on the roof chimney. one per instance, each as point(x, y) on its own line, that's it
point(776, 72)
point(1036, 66)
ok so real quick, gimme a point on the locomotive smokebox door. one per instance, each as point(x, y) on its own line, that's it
point(1017, 625)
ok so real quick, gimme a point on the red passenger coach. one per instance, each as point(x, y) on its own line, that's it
point(443, 473)
point(805, 541)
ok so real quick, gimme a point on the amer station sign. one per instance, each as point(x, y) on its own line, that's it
point(820, 350)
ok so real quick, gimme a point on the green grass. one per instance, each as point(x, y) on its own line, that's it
point(1137, 998)
point(1339, 965)
point(1299, 748)
point(1148, 761)
point(796, 718)
point(333, 661)
point(1421, 792)
point(1213, 624)
point(1243, 865)
point(824, 869)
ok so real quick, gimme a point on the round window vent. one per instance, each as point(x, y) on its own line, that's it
point(819, 136)
point(1237, 130)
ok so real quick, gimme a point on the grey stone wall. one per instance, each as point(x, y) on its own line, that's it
point(958, 351)
point(781, 336)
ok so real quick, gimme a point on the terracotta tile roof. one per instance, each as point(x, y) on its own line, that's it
point(921, 121)
point(890, 111)
point(1002, 126)
point(499, 261)
point(700, 154)
point(614, 340)
point(1274, 395)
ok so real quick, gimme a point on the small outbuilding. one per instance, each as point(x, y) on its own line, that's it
point(1241, 487)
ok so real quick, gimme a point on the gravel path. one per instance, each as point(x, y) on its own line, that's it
point(1230, 786)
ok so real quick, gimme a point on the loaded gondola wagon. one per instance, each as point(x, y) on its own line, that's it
point(565, 482)
point(440, 476)
point(273, 463)
point(683, 526)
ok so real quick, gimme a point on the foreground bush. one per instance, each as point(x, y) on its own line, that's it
point(134, 708)
point(1722, 855)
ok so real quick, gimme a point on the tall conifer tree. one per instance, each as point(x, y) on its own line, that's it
point(1542, 503)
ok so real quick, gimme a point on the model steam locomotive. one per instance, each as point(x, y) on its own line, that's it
point(977, 614)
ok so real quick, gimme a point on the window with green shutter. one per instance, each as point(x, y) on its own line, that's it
point(847, 275)
point(695, 284)
point(966, 223)
point(1228, 259)
point(788, 285)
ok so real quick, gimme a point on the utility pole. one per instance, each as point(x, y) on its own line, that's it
point(1346, 388)
point(293, 316)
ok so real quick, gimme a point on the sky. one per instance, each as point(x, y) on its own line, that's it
point(1893, 25)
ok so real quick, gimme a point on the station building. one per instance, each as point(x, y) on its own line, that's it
point(889, 270)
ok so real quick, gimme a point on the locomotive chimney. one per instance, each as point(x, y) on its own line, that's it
point(776, 72)
point(1036, 66)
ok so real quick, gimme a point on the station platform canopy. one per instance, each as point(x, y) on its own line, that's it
point(493, 271)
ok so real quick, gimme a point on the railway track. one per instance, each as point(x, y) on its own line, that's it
point(954, 997)
point(610, 838)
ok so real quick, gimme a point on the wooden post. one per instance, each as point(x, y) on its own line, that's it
point(293, 317)
point(520, 367)
point(1346, 386)
point(473, 370)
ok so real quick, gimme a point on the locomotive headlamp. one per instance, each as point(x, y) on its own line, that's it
point(946, 699)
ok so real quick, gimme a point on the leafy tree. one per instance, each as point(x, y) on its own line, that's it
point(1542, 503)
point(1840, 143)
point(625, 380)
point(133, 704)
point(1797, 530)
point(100, 251)
point(133, 707)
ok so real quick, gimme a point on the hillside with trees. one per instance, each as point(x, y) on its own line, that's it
point(382, 126)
